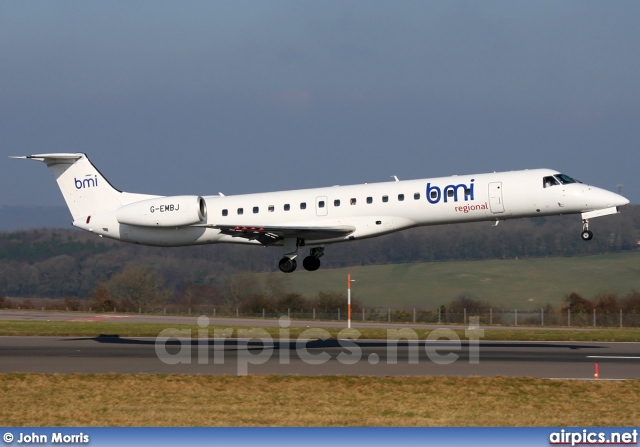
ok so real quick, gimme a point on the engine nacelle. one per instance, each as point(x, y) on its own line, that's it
point(175, 211)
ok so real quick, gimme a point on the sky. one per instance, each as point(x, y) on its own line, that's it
point(201, 97)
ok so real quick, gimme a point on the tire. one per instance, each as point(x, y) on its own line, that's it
point(287, 265)
point(311, 263)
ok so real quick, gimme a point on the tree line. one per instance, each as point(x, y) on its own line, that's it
point(71, 263)
point(140, 290)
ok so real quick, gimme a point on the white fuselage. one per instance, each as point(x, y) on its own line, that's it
point(373, 209)
point(315, 217)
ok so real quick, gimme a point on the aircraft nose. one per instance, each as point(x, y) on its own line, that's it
point(623, 201)
point(617, 199)
point(601, 198)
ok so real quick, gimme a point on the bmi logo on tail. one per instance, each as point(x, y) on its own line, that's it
point(86, 183)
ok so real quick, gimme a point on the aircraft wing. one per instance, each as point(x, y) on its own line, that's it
point(268, 235)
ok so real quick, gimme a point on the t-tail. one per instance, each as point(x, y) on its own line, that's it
point(83, 187)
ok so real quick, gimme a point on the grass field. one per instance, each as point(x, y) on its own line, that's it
point(523, 284)
point(178, 400)
point(95, 329)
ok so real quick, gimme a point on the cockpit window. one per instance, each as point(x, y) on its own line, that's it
point(558, 179)
point(565, 179)
point(549, 181)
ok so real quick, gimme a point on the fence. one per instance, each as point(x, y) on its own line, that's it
point(505, 317)
point(486, 317)
point(546, 317)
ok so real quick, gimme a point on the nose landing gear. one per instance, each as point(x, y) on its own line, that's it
point(586, 234)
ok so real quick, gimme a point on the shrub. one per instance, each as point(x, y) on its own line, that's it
point(72, 304)
point(576, 303)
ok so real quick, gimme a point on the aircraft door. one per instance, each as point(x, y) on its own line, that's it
point(321, 206)
point(495, 197)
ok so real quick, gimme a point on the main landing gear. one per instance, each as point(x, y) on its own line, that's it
point(310, 263)
point(287, 265)
point(586, 234)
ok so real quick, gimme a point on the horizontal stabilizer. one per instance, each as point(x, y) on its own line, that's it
point(45, 157)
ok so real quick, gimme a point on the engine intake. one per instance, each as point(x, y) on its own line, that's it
point(174, 211)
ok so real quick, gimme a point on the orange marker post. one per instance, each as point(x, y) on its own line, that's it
point(349, 300)
point(596, 375)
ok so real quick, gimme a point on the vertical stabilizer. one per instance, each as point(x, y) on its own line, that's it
point(83, 187)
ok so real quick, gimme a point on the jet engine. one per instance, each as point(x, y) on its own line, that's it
point(175, 211)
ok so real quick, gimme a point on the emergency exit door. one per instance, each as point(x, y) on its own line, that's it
point(495, 197)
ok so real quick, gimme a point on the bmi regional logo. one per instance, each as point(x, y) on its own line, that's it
point(450, 192)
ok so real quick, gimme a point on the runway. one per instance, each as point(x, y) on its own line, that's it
point(555, 360)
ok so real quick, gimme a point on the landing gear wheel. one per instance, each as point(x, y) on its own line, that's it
point(311, 263)
point(587, 235)
point(287, 265)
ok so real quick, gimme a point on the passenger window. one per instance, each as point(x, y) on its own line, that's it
point(434, 195)
point(287, 207)
point(416, 196)
point(352, 201)
point(256, 210)
point(321, 204)
point(450, 192)
point(271, 208)
point(240, 211)
point(369, 200)
point(336, 202)
point(400, 197)
point(225, 212)
point(385, 199)
point(303, 205)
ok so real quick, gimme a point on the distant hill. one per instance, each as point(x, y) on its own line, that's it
point(47, 262)
point(17, 218)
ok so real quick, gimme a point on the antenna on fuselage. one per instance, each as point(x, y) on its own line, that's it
point(395, 177)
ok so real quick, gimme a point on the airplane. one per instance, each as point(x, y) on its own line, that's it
point(315, 218)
